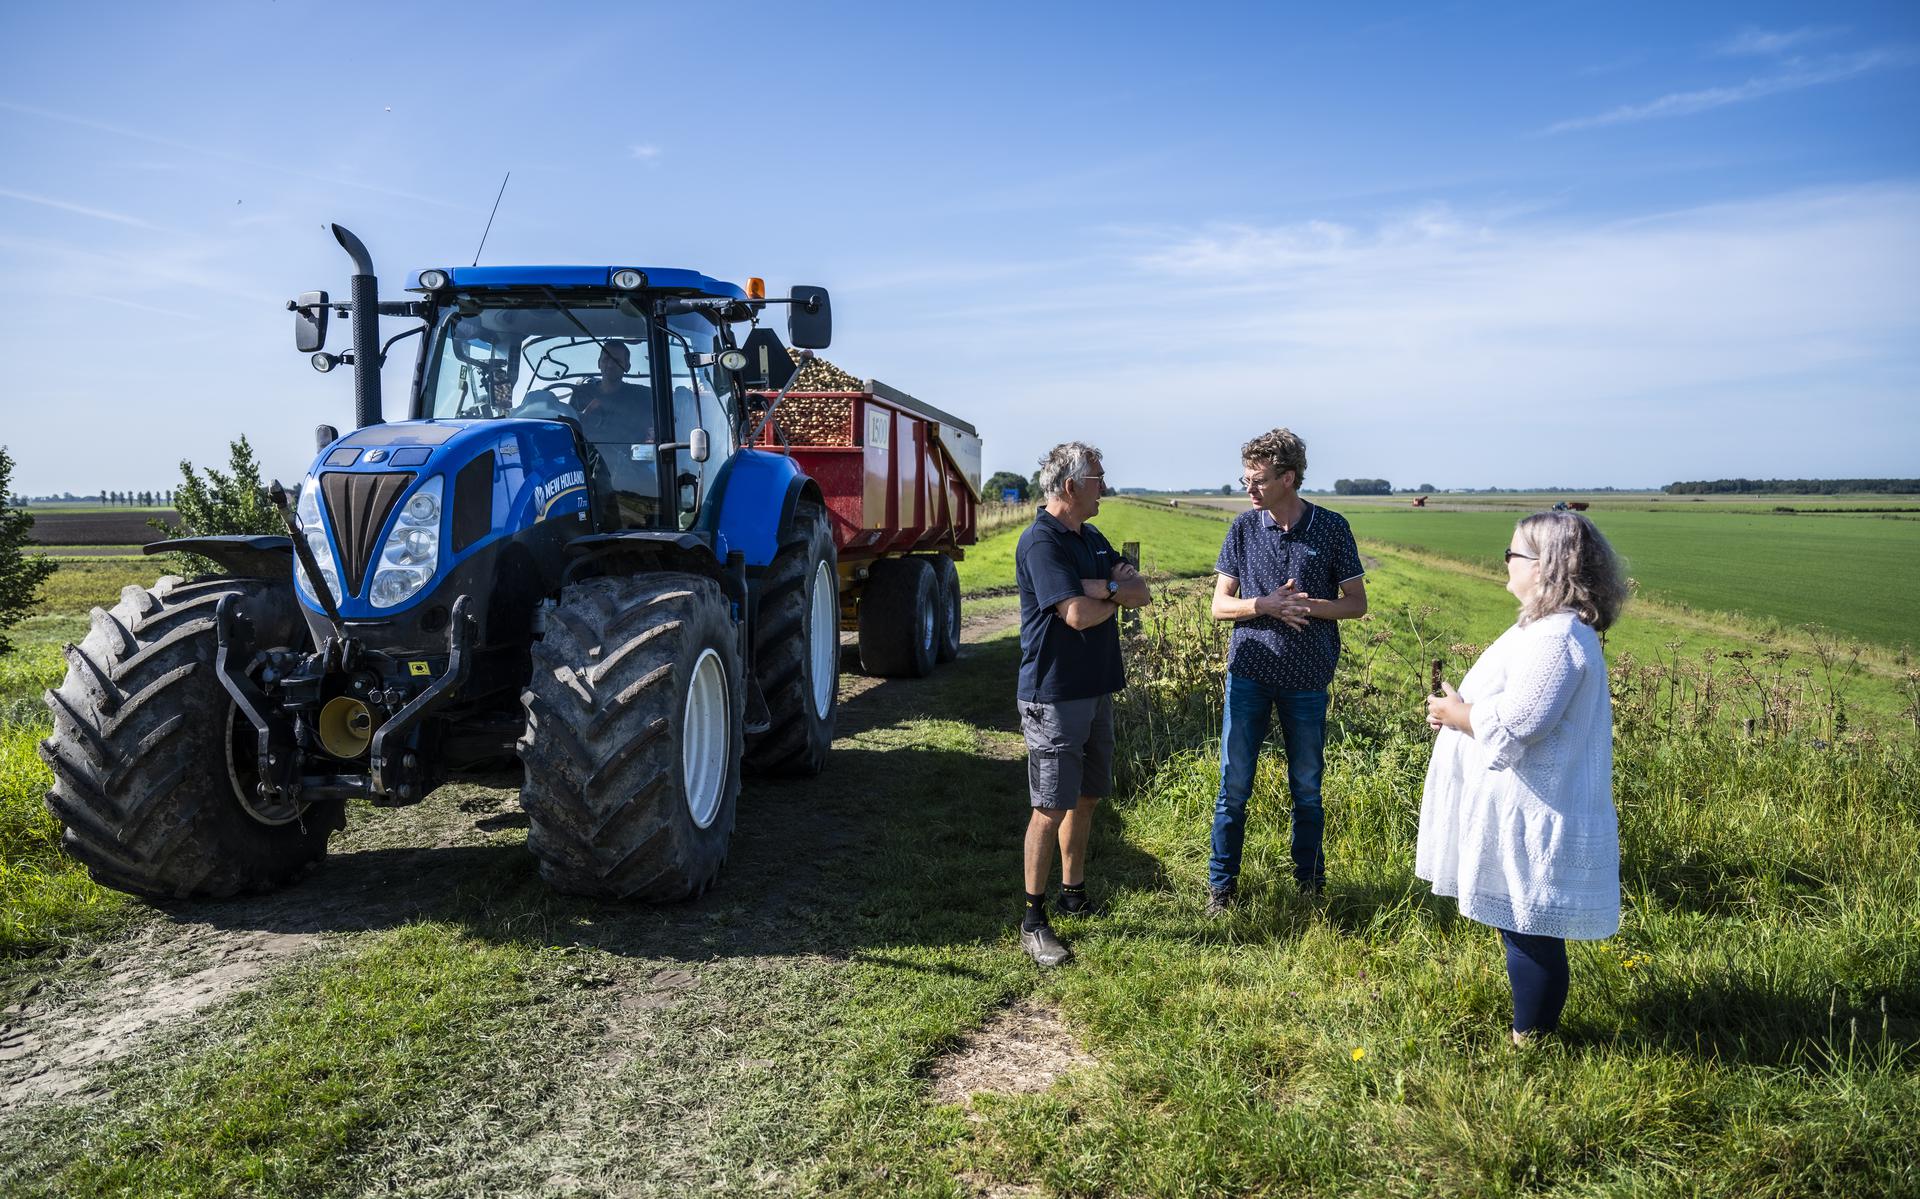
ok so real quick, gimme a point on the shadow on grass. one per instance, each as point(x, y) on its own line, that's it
point(1743, 1019)
point(900, 845)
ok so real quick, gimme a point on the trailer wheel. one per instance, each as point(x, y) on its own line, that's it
point(797, 650)
point(153, 766)
point(632, 741)
point(946, 621)
point(899, 619)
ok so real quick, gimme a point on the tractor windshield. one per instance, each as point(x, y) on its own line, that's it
point(584, 360)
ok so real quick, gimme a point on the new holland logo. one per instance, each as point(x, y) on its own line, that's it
point(559, 485)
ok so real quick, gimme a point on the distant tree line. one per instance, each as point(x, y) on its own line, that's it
point(1362, 487)
point(1791, 486)
point(137, 499)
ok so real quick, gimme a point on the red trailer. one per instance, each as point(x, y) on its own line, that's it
point(901, 480)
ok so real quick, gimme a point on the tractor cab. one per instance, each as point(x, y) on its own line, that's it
point(635, 376)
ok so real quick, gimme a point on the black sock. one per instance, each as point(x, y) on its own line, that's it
point(1036, 913)
point(1073, 897)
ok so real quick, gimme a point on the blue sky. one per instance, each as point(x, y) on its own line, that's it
point(1465, 244)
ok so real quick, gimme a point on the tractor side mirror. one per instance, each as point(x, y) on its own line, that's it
point(810, 318)
point(309, 321)
point(698, 446)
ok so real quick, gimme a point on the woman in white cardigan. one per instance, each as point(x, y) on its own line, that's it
point(1517, 819)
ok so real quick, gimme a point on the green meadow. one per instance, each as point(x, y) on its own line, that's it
point(1856, 574)
point(1751, 1032)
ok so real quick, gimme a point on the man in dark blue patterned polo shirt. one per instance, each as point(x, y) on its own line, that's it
point(1072, 583)
point(1287, 572)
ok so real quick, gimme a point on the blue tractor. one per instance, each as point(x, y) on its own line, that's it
point(565, 569)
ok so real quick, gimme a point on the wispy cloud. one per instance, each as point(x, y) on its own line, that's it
point(221, 155)
point(98, 214)
point(1459, 345)
point(1752, 42)
point(645, 152)
point(1800, 75)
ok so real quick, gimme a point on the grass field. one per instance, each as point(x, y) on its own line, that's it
point(453, 1027)
point(1179, 543)
point(1856, 575)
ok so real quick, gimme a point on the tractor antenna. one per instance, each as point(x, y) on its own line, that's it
point(490, 216)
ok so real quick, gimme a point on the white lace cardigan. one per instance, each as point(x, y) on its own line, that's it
point(1517, 820)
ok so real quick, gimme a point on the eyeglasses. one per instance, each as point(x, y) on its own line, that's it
point(1247, 484)
point(1510, 555)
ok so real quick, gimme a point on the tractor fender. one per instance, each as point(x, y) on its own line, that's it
point(252, 557)
point(754, 503)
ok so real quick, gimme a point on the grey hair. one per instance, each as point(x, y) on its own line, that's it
point(1068, 460)
point(1577, 571)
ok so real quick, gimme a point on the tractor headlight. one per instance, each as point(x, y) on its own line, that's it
point(629, 279)
point(433, 280)
point(411, 554)
point(314, 529)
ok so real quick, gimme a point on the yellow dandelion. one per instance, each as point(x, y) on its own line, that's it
point(1358, 1054)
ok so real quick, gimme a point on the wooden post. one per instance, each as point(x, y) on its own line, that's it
point(1130, 617)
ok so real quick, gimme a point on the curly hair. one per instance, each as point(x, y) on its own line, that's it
point(1280, 449)
point(1577, 571)
point(1068, 460)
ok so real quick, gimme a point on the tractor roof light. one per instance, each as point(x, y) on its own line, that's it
point(756, 288)
point(628, 279)
point(433, 280)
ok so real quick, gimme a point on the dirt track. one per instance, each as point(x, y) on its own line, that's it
point(392, 867)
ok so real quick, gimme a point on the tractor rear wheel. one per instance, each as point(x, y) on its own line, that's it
point(899, 619)
point(632, 743)
point(797, 650)
point(154, 768)
point(946, 617)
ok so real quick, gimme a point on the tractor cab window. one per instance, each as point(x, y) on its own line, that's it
point(588, 364)
point(697, 403)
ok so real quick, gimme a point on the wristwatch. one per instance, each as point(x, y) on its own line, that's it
point(1113, 590)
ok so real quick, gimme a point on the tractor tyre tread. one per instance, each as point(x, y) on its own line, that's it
point(797, 739)
point(141, 783)
point(603, 792)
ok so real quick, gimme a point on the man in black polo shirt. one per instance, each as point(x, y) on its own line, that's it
point(1287, 571)
point(1072, 584)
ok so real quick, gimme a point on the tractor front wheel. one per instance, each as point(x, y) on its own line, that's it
point(153, 766)
point(633, 738)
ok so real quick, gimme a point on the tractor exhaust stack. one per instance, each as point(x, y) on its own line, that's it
point(366, 330)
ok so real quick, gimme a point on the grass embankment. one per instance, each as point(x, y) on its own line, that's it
point(1854, 574)
point(1749, 1032)
point(1175, 542)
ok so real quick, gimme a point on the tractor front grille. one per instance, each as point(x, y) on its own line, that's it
point(358, 505)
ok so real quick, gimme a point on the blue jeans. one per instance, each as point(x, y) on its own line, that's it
point(1303, 727)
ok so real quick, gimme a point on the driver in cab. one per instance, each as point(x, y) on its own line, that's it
point(613, 410)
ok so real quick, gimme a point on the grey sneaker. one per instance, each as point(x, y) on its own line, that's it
point(1043, 946)
point(1219, 901)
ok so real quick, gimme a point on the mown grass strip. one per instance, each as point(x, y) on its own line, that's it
point(307, 1070)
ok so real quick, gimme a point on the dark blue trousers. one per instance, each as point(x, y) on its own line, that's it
point(1249, 713)
point(1537, 968)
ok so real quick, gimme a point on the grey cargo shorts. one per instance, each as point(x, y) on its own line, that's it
point(1069, 750)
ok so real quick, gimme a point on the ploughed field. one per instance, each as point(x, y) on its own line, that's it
point(102, 527)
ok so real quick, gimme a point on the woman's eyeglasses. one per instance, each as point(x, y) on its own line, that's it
point(1510, 555)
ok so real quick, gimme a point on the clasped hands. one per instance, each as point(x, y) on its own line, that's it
point(1287, 604)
